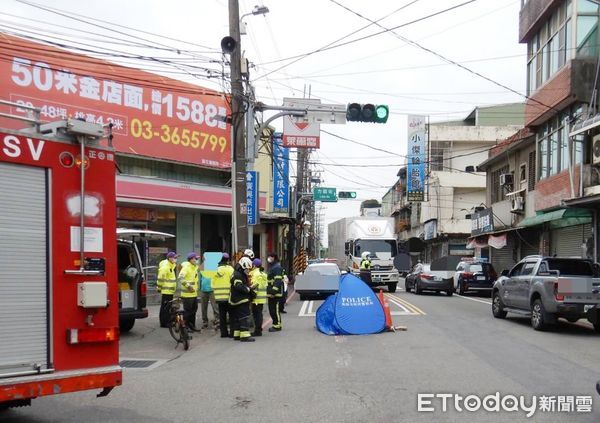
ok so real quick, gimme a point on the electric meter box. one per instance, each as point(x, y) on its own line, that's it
point(92, 294)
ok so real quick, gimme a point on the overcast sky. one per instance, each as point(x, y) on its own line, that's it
point(382, 69)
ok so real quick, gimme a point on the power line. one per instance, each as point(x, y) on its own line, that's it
point(470, 20)
point(113, 54)
point(109, 73)
point(444, 58)
point(330, 46)
point(76, 17)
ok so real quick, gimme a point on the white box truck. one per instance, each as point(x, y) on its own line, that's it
point(349, 237)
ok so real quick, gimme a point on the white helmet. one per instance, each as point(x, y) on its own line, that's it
point(249, 253)
point(246, 263)
point(365, 255)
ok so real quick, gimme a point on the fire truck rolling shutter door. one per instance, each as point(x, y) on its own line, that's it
point(23, 269)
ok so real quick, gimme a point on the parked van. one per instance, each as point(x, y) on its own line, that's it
point(132, 286)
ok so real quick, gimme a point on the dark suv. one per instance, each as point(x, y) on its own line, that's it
point(474, 276)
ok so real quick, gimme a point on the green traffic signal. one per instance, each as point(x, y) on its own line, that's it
point(367, 113)
point(381, 114)
point(346, 194)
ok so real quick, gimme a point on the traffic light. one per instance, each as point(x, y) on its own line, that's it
point(367, 113)
point(346, 194)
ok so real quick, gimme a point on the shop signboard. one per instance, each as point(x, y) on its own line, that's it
point(151, 115)
point(252, 197)
point(300, 134)
point(482, 222)
point(416, 156)
point(281, 173)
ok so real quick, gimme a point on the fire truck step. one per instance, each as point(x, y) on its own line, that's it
point(136, 364)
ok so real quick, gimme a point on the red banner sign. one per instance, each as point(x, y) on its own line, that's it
point(151, 115)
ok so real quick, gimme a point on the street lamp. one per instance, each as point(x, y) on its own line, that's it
point(258, 10)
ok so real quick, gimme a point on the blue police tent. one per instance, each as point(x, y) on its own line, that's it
point(353, 310)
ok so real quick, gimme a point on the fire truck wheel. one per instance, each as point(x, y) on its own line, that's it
point(125, 325)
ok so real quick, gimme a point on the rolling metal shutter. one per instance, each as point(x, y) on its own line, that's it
point(24, 278)
point(566, 242)
point(503, 258)
point(530, 242)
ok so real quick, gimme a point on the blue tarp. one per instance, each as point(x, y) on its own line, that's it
point(353, 310)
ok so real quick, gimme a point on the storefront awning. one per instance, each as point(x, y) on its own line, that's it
point(559, 218)
point(496, 241)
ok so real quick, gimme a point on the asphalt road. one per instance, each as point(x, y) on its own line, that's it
point(452, 346)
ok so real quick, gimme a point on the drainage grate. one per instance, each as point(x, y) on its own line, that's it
point(136, 364)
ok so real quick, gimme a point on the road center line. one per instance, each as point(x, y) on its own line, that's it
point(474, 299)
point(405, 304)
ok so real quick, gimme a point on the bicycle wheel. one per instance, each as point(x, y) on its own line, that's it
point(175, 331)
point(185, 338)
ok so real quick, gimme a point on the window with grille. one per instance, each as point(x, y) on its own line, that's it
point(436, 158)
point(497, 191)
point(437, 151)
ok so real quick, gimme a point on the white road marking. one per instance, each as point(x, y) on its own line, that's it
point(307, 309)
point(474, 299)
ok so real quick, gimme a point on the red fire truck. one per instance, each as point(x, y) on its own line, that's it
point(58, 289)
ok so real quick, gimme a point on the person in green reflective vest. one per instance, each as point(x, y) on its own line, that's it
point(188, 278)
point(166, 284)
point(221, 286)
point(365, 263)
point(258, 276)
point(207, 295)
point(365, 267)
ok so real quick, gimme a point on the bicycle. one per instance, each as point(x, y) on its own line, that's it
point(178, 327)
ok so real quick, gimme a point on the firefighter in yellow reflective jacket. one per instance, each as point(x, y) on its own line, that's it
point(275, 289)
point(188, 278)
point(221, 285)
point(166, 284)
point(241, 294)
point(259, 277)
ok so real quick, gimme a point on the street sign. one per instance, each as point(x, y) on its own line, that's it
point(326, 195)
point(332, 114)
point(252, 197)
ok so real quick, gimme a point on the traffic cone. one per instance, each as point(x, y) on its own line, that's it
point(386, 310)
point(380, 297)
point(388, 315)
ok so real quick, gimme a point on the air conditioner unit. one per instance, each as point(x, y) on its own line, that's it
point(518, 204)
point(596, 149)
point(506, 179)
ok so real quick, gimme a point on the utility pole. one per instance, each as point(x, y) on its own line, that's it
point(238, 183)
